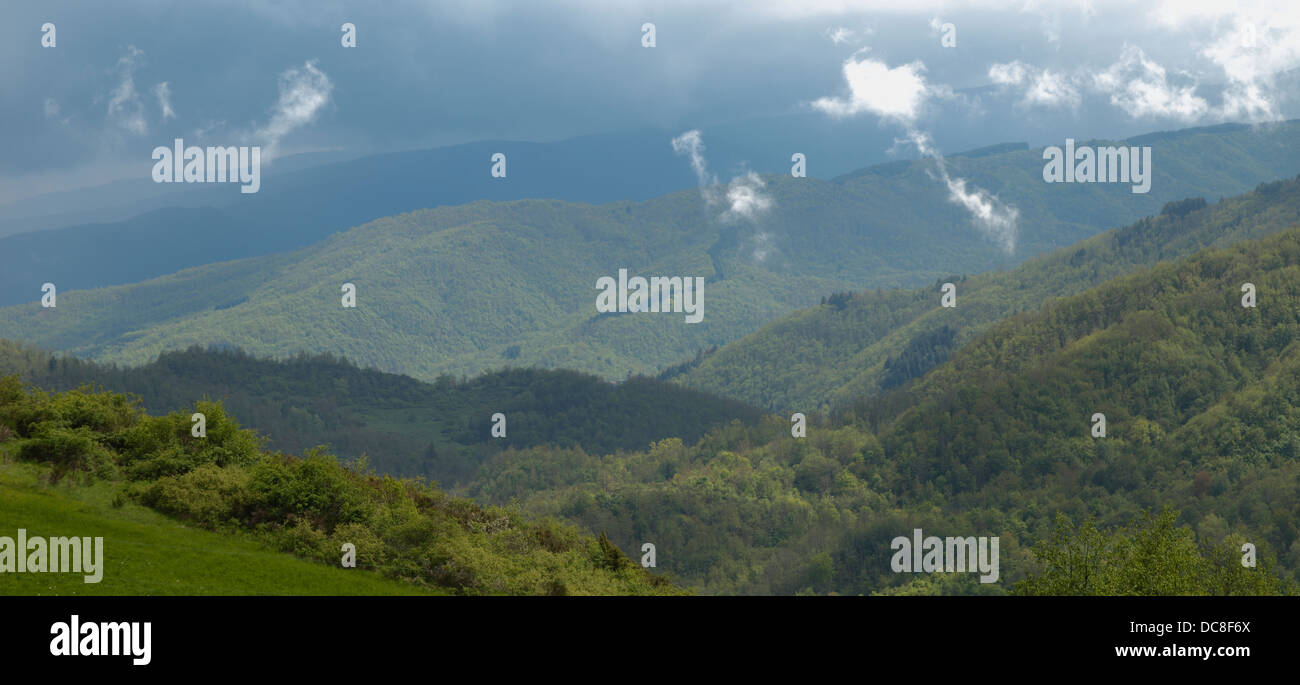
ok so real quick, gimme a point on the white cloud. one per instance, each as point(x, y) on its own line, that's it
point(1141, 87)
point(163, 92)
point(124, 108)
point(1252, 47)
point(840, 35)
point(744, 194)
point(691, 143)
point(875, 88)
point(993, 218)
point(303, 93)
point(1042, 87)
point(746, 199)
point(1009, 74)
point(1052, 89)
point(898, 95)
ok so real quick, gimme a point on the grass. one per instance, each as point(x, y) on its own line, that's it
point(149, 554)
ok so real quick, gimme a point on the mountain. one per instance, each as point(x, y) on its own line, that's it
point(126, 198)
point(632, 164)
point(67, 456)
point(1200, 403)
point(461, 289)
point(402, 426)
point(869, 341)
point(95, 237)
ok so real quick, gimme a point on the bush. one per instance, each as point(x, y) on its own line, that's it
point(209, 495)
point(301, 539)
point(67, 450)
point(370, 548)
point(165, 446)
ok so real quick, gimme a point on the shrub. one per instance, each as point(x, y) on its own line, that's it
point(209, 495)
point(67, 450)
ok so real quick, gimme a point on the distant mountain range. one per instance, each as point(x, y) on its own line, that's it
point(469, 288)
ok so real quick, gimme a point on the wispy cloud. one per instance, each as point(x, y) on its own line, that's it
point(744, 194)
point(124, 107)
point(1142, 88)
point(1042, 87)
point(1245, 46)
point(691, 144)
point(163, 92)
point(304, 91)
point(840, 35)
point(745, 198)
point(897, 95)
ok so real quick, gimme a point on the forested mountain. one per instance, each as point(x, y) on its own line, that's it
point(403, 426)
point(66, 455)
point(864, 342)
point(1201, 415)
point(462, 289)
point(1199, 401)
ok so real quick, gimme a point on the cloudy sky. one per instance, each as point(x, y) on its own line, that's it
point(130, 75)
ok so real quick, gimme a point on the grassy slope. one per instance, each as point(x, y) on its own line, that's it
point(147, 553)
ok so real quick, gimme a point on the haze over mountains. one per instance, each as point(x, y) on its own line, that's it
point(468, 288)
point(307, 197)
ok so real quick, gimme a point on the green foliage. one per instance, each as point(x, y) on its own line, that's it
point(878, 340)
point(309, 506)
point(1150, 556)
point(308, 401)
point(1202, 415)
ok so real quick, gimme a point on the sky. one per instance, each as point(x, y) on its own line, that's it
point(127, 76)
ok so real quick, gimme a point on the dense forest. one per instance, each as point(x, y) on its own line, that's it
point(857, 344)
point(1199, 397)
point(439, 430)
point(1198, 394)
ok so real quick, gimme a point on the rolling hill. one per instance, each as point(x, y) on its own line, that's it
point(405, 427)
point(869, 341)
point(1201, 407)
point(147, 553)
point(79, 463)
point(462, 289)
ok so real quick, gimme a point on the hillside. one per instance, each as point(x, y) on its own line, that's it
point(869, 341)
point(438, 430)
point(462, 289)
point(63, 456)
point(147, 553)
point(1201, 409)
